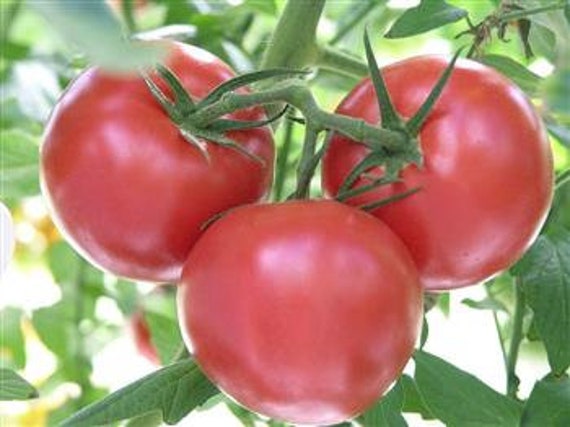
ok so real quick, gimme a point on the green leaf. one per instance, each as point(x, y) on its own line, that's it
point(92, 27)
point(175, 390)
point(430, 14)
point(413, 400)
point(14, 387)
point(165, 334)
point(12, 348)
point(545, 274)
point(19, 164)
point(548, 404)
point(518, 73)
point(387, 412)
point(460, 399)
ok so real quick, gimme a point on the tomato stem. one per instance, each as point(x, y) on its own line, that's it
point(297, 94)
point(517, 336)
point(282, 162)
point(340, 62)
point(518, 14)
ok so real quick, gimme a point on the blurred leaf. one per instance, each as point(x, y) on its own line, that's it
point(20, 157)
point(387, 412)
point(444, 303)
point(545, 274)
point(12, 346)
point(557, 93)
point(265, 6)
point(93, 28)
point(165, 334)
point(543, 40)
point(175, 390)
point(245, 416)
point(487, 303)
point(555, 21)
point(458, 398)
point(560, 132)
point(14, 387)
point(413, 400)
point(56, 328)
point(430, 14)
point(548, 404)
point(522, 76)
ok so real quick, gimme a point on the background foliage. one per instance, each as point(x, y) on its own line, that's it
point(56, 308)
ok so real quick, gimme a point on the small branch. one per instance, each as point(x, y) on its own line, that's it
point(516, 339)
point(519, 14)
point(283, 160)
point(297, 94)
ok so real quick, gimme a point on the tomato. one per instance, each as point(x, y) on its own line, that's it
point(125, 187)
point(304, 311)
point(486, 183)
point(142, 338)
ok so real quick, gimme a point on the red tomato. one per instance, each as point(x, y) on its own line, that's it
point(124, 186)
point(142, 338)
point(486, 183)
point(304, 311)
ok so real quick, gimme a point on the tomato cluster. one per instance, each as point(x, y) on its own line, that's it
point(305, 311)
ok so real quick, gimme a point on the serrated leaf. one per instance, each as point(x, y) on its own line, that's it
point(428, 15)
point(14, 387)
point(19, 164)
point(174, 390)
point(548, 404)
point(387, 412)
point(460, 399)
point(12, 347)
point(95, 31)
point(518, 73)
point(545, 274)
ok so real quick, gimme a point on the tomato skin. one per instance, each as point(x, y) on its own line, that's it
point(124, 186)
point(304, 311)
point(487, 180)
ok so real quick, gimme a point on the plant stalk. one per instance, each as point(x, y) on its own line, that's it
point(519, 14)
point(516, 339)
point(293, 43)
point(297, 94)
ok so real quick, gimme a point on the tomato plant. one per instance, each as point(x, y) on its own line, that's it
point(125, 187)
point(486, 182)
point(305, 311)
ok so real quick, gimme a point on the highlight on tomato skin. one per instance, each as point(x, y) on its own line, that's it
point(304, 311)
point(124, 186)
point(486, 184)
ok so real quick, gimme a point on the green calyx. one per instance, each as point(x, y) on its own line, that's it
point(391, 161)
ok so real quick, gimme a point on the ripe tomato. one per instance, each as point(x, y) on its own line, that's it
point(142, 338)
point(304, 311)
point(125, 187)
point(486, 183)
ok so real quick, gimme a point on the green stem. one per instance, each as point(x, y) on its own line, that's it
point(518, 14)
point(516, 339)
point(338, 61)
point(293, 43)
point(128, 15)
point(304, 169)
point(8, 18)
point(298, 95)
point(283, 161)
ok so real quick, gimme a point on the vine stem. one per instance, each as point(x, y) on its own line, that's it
point(517, 336)
point(518, 14)
point(297, 94)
